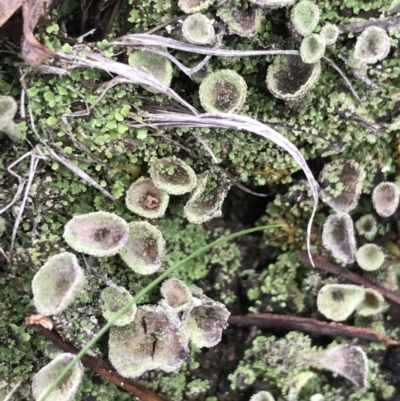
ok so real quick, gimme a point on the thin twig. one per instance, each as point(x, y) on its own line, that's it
point(342, 74)
point(79, 172)
point(2, 252)
point(189, 71)
point(13, 390)
point(384, 23)
point(206, 147)
point(36, 156)
point(308, 325)
point(365, 79)
point(21, 181)
point(329, 267)
point(100, 367)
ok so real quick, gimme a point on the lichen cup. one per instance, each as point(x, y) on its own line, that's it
point(291, 80)
point(198, 30)
point(223, 91)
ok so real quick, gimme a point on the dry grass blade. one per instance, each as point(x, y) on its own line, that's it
point(80, 173)
point(240, 123)
point(13, 390)
point(132, 74)
point(36, 156)
point(141, 39)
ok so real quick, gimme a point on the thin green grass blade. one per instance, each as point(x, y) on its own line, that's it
point(139, 296)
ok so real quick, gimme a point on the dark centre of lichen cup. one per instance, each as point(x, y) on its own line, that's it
point(371, 301)
point(107, 236)
point(293, 75)
point(337, 295)
point(101, 234)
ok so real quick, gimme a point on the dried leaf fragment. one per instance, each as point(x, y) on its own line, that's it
point(33, 52)
point(44, 321)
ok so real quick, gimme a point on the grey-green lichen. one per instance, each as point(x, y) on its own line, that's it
point(223, 91)
point(338, 237)
point(372, 45)
point(112, 300)
point(173, 175)
point(330, 33)
point(305, 17)
point(57, 283)
point(198, 30)
point(312, 48)
point(66, 390)
point(341, 183)
point(8, 109)
point(370, 257)
point(290, 79)
point(243, 21)
point(194, 6)
point(98, 234)
point(146, 200)
point(275, 361)
point(152, 341)
point(206, 201)
point(157, 66)
point(144, 250)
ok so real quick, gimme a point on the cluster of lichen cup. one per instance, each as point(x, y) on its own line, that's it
point(146, 337)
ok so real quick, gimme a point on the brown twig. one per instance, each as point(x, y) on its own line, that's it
point(313, 326)
point(100, 367)
point(354, 278)
point(384, 23)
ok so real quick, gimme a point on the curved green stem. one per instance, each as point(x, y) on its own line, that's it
point(138, 297)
